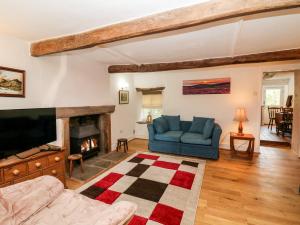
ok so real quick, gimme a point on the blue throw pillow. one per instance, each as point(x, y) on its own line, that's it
point(161, 125)
point(198, 125)
point(208, 128)
point(173, 122)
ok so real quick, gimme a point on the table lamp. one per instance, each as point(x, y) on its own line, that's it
point(240, 116)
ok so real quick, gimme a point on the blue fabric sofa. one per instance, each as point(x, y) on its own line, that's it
point(199, 137)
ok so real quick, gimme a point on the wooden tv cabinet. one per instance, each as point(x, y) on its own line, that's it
point(14, 170)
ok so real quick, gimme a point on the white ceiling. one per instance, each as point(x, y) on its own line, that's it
point(35, 19)
point(40, 19)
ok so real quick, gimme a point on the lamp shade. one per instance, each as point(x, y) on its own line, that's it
point(240, 115)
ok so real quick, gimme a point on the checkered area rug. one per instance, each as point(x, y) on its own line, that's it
point(165, 188)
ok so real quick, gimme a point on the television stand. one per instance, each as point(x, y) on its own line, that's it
point(34, 164)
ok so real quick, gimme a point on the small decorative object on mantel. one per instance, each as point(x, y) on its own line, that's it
point(240, 116)
point(208, 86)
point(149, 118)
point(12, 82)
point(123, 97)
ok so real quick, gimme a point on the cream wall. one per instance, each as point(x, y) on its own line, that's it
point(67, 80)
point(246, 86)
point(124, 118)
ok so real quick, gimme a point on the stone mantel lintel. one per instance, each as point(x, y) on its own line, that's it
point(67, 112)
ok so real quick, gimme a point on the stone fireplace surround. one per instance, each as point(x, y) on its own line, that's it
point(104, 123)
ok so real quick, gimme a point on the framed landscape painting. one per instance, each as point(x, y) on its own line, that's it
point(209, 86)
point(12, 82)
point(123, 97)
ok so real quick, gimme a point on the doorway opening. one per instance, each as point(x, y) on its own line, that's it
point(277, 108)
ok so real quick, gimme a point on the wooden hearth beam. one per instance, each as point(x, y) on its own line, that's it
point(162, 22)
point(285, 55)
point(67, 112)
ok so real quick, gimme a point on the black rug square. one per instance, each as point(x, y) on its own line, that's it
point(92, 192)
point(147, 189)
point(136, 160)
point(189, 163)
point(138, 170)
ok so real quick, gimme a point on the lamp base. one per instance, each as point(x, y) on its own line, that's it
point(240, 129)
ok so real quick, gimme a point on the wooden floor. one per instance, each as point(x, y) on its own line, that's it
point(269, 136)
point(235, 191)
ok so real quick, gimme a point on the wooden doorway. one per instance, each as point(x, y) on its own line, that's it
point(296, 127)
point(277, 88)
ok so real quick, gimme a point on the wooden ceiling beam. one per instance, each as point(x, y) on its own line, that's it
point(284, 55)
point(180, 18)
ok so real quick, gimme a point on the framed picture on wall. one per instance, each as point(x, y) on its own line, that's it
point(207, 86)
point(123, 97)
point(12, 82)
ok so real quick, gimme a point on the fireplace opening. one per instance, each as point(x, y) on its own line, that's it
point(84, 136)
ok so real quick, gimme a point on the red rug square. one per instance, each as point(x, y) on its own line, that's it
point(146, 156)
point(108, 196)
point(109, 180)
point(183, 179)
point(166, 165)
point(166, 215)
point(138, 220)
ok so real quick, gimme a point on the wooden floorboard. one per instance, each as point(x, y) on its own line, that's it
point(240, 192)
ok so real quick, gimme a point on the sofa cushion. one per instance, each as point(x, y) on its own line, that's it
point(173, 122)
point(173, 136)
point(195, 138)
point(208, 128)
point(198, 125)
point(17, 200)
point(161, 125)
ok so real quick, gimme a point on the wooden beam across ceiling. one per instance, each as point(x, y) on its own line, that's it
point(284, 55)
point(180, 18)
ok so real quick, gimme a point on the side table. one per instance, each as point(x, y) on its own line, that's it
point(249, 137)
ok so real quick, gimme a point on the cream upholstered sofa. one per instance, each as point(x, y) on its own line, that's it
point(44, 201)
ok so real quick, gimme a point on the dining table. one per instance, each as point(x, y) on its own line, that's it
point(285, 116)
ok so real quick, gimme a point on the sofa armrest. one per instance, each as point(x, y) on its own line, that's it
point(151, 132)
point(216, 136)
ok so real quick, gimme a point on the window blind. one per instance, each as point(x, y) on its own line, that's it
point(152, 101)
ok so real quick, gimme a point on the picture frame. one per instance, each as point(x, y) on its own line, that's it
point(123, 97)
point(12, 82)
point(207, 86)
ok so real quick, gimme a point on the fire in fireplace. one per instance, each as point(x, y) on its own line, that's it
point(85, 137)
point(89, 143)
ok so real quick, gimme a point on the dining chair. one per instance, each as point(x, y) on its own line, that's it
point(286, 125)
point(272, 115)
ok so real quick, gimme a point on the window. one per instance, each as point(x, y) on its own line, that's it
point(152, 104)
point(273, 96)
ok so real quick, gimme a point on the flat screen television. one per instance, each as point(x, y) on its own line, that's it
point(23, 129)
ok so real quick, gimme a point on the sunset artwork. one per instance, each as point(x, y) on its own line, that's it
point(210, 86)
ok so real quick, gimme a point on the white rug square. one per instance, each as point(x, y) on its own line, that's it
point(123, 167)
point(189, 169)
point(175, 196)
point(145, 207)
point(148, 161)
point(150, 222)
point(158, 174)
point(123, 184)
